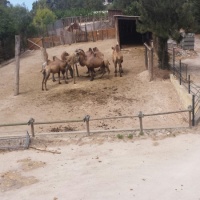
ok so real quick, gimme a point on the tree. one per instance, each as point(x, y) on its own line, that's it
point(165, 19)
point(127, 6)
point(22, 19)
point(6, 23)
point(196, 10)
point(43, 17)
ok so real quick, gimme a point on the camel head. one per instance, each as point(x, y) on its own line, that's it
point(65, 53)
point(95, 49)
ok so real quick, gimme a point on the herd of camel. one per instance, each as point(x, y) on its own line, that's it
point(93, 58)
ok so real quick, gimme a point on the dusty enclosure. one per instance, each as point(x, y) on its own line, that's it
point(101, 166)
point(104, 97)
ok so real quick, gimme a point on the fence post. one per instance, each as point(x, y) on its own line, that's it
point(189, 84)
point(193, 109)
point(146, 58)
point(17, 61)
point(173, 57)
point(151, 54)
point(31, 122)
point(140, 115)
point(87, 119)
point(186, 69)
point(190, 118)
point(180, 73)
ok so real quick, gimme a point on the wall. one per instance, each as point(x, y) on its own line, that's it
point(185, 98)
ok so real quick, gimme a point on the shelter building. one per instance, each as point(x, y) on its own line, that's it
point(126, 31)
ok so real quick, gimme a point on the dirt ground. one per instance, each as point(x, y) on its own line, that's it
point(105, 97)
point(161, 165)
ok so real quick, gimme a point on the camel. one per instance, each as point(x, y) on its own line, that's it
point(117, 58)
point(63, 66)
point(49, 62)
point(98, 53)
point(101, 55)
point(57, 66)
point(53, 67)
point(91, 62)
point(71, 60)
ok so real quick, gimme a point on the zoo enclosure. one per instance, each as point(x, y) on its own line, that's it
point(87, 121)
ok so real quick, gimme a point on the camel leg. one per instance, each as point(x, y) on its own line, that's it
point(66, 70)
point(115, 69)
point(92, 74)
point(103, 70)
point(107, 67)
point(120, 69)
point(53, 78)
point(46, 78)
point(77, 70)
point(43, 79)
point(71, 72)
point(59, 77)
point(63, 73)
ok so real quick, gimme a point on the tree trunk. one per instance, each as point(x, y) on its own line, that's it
point(163, 57)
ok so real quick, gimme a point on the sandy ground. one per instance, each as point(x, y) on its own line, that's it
point(161, 165)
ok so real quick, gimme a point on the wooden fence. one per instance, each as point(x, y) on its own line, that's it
point(87, 119)
point(54, 40)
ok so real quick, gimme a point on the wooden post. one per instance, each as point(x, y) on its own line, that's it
point(189, 84)
point(17, 61)
point(173, 57)
point(141, 126)
point(74, 74)
point(31, 122)
point(190, 116)
point(146, 58)
point(87, 119)
point(193, 110)
point(151, 54)
point(44, 54)
point(180, 73)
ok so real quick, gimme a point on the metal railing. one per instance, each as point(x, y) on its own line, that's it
point(87, 119)
point(180, 71)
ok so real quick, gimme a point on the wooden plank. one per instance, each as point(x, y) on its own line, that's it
point(34, 44)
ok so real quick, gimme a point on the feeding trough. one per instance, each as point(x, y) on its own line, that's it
point(15, 142)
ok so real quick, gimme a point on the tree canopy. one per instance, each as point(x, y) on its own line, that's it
point(163, 18)
point(43, 17)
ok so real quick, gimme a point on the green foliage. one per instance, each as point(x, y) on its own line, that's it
point(165, 19)
point(130, 136)
point(22, 19)
point(43, 17)
point(128, 7)
point(6, 23)
point(119, 136)
point(196, 10)
point(4, 3)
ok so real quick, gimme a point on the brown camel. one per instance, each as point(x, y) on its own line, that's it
point(71, 60)
point(99, 54)
point(63, 65)
point(53, 67)
point(91, 62)
point(117, 58)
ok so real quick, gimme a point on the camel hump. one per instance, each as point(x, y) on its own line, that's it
point(117, 48)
